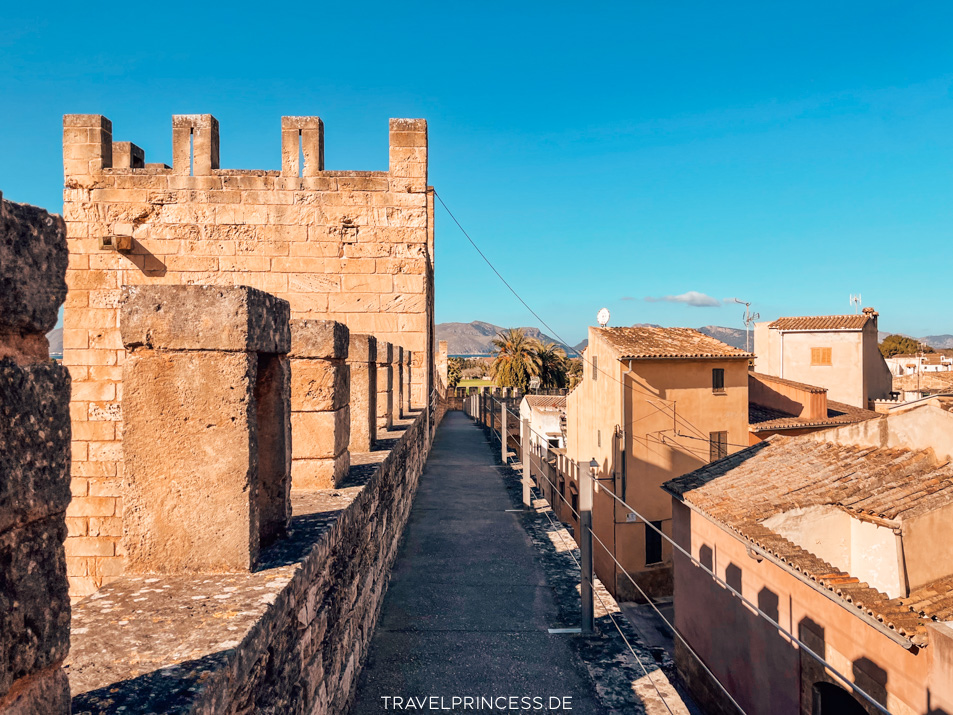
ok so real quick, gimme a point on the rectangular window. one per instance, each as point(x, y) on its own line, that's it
point(653, 543)
point(598, 437)
point(717, 446)
point(595, 367)
point(821, 356)
point(718, 379)
point(574, 504)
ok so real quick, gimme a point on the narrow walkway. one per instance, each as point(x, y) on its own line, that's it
point(468, 607)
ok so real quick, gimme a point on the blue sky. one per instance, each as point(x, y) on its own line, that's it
point(789, 154)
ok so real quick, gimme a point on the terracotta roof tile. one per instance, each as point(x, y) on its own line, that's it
point(763, 377)
point(821, 322)
point(880, 485)
point(552, 402)
point(764, 419)
point(643, 342)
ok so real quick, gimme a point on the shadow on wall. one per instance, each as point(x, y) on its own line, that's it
point(167, 690)
point(824, 695)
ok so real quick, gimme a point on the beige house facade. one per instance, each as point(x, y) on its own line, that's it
point(654, 403)
point(838, 352)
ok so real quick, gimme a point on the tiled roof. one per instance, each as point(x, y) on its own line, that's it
point(785, 473)
point(821, 322)
point(648, 342)
point(544, 402)
point(763, 377)
point(762, 419)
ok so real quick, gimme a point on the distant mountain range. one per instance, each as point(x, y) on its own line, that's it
point(475, 338)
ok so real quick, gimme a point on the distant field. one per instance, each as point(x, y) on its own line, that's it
point(475, 383)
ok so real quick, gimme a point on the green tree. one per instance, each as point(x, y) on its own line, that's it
point(515, 359)
point(902, 345)
point(454, 371)
point(552, 365)
point(573, 371)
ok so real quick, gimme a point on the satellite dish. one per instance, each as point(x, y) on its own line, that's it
point(603, 317)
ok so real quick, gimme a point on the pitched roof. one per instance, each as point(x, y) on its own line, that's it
point(875, 484)
point(821, 322)
point(764, 377)
point(546, 402)
point(643, 342)
point(763, 419)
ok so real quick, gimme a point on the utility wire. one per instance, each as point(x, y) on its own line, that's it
point(723, 583)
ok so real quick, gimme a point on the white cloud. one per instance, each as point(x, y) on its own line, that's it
point(692, 298)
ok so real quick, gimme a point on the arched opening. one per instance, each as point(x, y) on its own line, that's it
point(830, 699)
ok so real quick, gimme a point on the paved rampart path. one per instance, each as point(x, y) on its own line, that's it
point(468, 606)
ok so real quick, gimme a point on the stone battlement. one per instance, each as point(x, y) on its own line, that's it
point(89, 151)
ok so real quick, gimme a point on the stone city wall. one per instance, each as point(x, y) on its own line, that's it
point(289, 637)
point(34, 465)
point(350, 246)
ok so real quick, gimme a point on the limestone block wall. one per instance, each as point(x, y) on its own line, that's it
point(351, 246)
point(320, 404)
point(206, 437)
point(34, 465)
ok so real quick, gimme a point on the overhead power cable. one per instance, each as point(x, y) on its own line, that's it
point(866, 696)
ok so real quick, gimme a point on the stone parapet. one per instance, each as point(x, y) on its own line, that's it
point(385, 385)
point(362, 372)
point(320, 404)
point(34, 465)
point(206, 436)
point(200, 317)
point(290, 637)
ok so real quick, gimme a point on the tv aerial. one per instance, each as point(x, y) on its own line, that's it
point(749, 319)
point(855, 302)
point(603, 317)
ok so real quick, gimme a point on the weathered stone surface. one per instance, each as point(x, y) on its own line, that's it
point(385, 353)
point(200, 317)
point(273, 436)
point(34, 442)
point(287, 638)
point(363, 378)
point(320, 435)
point(319, 339)
point(34, 603)
point(45, 692)
point(362, 348)
point(320, 473)
point(385, 385)
point(319, 385)
point(33, 258)
point(190, 449)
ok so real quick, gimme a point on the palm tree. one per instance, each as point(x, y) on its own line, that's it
point(552, 365)
point(515, 359)
point(573, 371)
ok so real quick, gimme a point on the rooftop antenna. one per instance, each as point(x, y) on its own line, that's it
point(855, 302)
point(749, 319)
point(603, 317)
